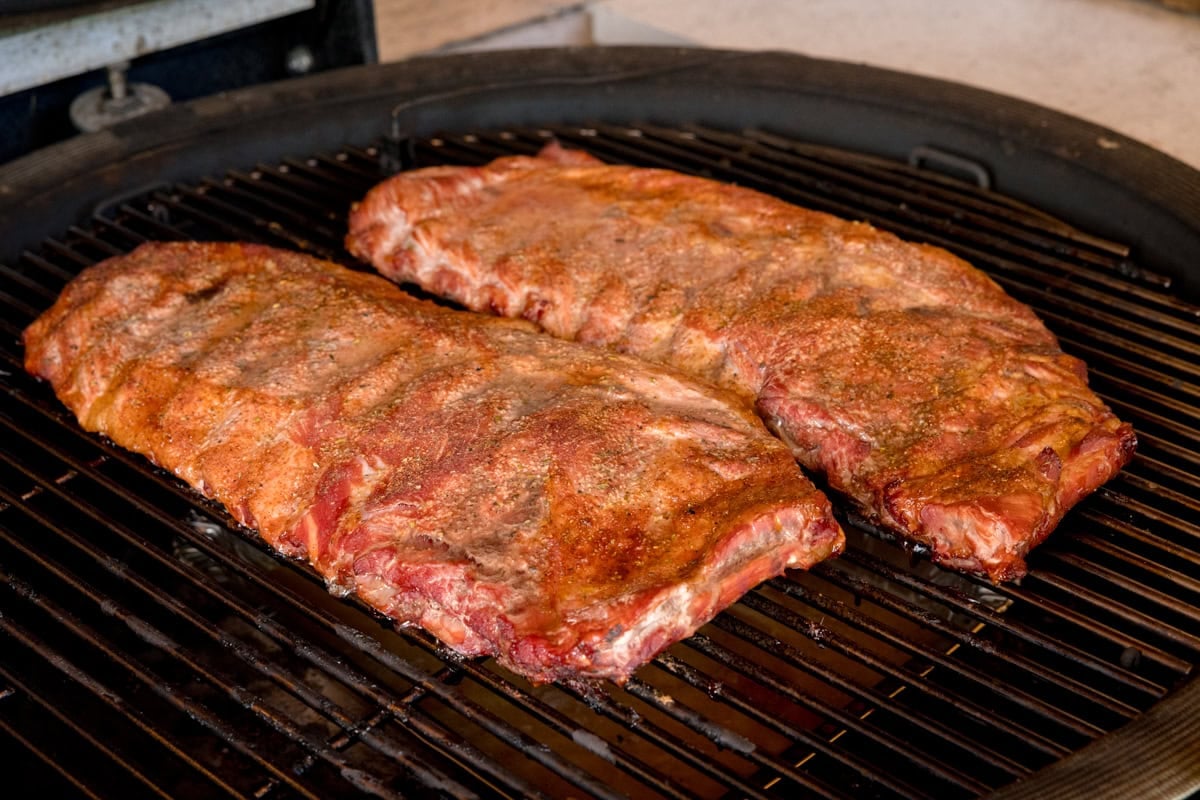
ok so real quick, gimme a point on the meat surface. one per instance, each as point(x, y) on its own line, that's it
point(940, 407)
point(570, 511)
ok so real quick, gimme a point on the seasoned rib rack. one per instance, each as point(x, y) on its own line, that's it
point(151, 647)
point(935, 405)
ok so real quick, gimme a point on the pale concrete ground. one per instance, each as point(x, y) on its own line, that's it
point(1130, 65)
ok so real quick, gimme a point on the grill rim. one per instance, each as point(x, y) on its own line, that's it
point(62, 185)
point(1140, 196)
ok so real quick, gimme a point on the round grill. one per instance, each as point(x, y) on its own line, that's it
point(150, 647)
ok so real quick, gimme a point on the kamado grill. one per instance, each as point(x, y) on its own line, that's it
point(151, 648)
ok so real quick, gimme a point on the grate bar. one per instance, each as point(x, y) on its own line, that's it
point(255, 183)
point(340, 162)
point(828, 638)
point(261, 228)
point(1146, 513)
point(1144, 621)
point(149, 678)
point(40, 755)
point(976, 713)
point(68, 254)
point(1151, 513)
point(986, 615)
point(177, 204)
point(13, 331)
point(300, 182)
point(868, 696)
point(346, 193)
point(737, 700)
point(1146, 375)
point(1105, 340)
point(551, 717)
point(725, 738)
point(278, 210)
point(53, 710)
point(488, 721)
point(110, 698)
point(1179, 432)
point(1020, 697)
point(601, 702)
point(165, 231)
point(61, 275)
point(96, 242)
point(26, 311)
point(1191, 503)
point(111, 226)
point(27, 283)
point(726, 622)
point(1138, 563)
point(1108, 384)
point(1147, 462)
point(1085, 621)
point(1155, 448)
point(264, 666)
point(1128, 531)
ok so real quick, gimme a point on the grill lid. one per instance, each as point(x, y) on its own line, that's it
point(153, 648)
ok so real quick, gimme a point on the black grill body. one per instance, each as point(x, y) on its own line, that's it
point(151, 647)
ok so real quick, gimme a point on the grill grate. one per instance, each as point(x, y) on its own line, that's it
point(152, 648)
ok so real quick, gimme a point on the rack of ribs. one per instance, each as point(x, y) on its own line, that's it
point(568, 510)
point(940, 407)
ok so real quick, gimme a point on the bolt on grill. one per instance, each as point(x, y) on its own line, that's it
point(152, 648)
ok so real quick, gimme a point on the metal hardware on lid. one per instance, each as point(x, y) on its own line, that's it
point(105, 106)
point(956, 166)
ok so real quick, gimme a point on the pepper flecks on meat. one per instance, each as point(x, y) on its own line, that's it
point(911, 381)
point(515, 495)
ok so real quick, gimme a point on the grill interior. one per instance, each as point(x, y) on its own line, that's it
point(151, 647)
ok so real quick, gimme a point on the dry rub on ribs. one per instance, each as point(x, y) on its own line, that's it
point(941, 407)
point(568, 510)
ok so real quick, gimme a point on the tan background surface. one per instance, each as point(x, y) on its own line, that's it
point(1131, 65)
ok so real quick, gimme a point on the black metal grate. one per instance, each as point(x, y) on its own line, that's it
point(149, 647)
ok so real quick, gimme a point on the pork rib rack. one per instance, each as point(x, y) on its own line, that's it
point(568, 510)
point(940, 407)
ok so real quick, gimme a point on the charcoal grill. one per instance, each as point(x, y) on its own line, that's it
point(152, 648)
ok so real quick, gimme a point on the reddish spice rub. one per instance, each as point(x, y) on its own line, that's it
point(568, 510)
point(940, 407)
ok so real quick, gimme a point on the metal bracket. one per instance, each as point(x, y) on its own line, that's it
point(399, 151)
point(956, 166)
point(105, 106)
